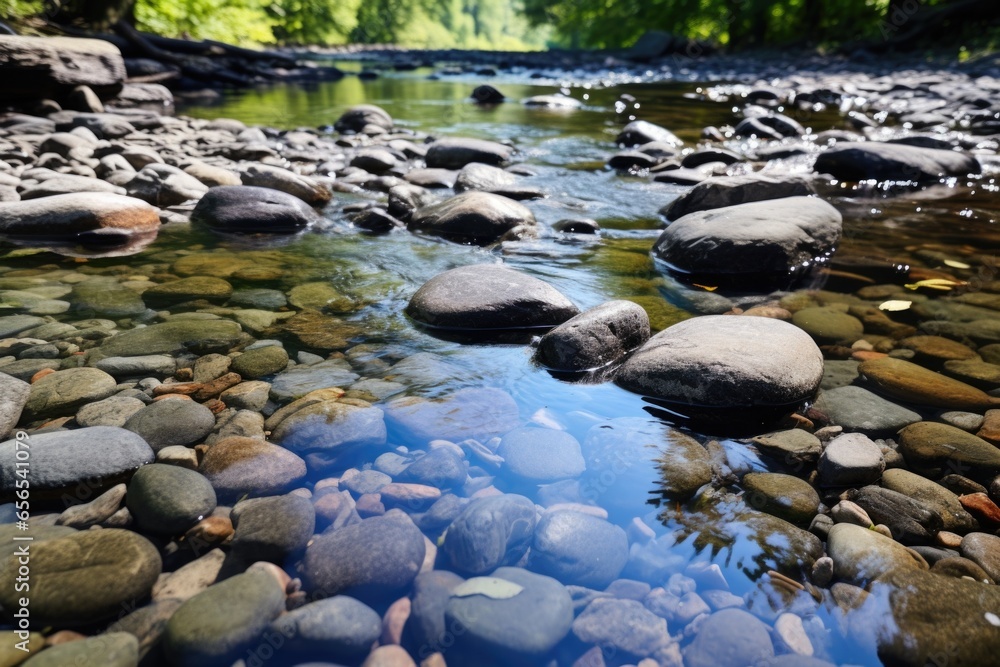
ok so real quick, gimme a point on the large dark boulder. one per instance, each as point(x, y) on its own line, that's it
point(894, 162)
point(252, 209)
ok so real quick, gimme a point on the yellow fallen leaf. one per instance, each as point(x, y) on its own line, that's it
point(934, 283)
point(895, 304)
point(955, 264)
point(707, 288)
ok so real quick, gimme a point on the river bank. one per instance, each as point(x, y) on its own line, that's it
point(368, 391)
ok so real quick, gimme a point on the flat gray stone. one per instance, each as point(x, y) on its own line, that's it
point(851, 459)
point(13, 396)
point(541, 455)
point(858, 409)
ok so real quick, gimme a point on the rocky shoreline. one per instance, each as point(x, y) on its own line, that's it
point(225, 470)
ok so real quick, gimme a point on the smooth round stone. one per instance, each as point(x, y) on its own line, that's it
point(937, 348)
point(984, 550)
point(829, 325)
point(11, 325)
point(931, 496)
point(265, 299)
point(622, 626)
point(893, 162)
point(277, 178)
point(253, 210)
point(440, 468)
point(84, 578)
point(932, 616)
point(216, 626)
point(456, 152)
point(974, 371)
point(360, 116)
point(152, 365)
point(769, 238)
point(729, 638)
point(113, 411)
point(167, 500)
point(792, 447)
point(236, 466)
point(967, 421)
point(431, 593)
point(64, 392)
point(298, 381)
point(272, 529)
point(784, 496)
point(930, 447)
point(541, 455)
point(726, 361)
point(513, 629)
point(851, 459)
point(106, 297)
point(171, 293)
point(489, 533)
point(110, 649)
point(578, 549)
point(79, 214)
point(861, 555)
point(596, 337)
point(478, 176)
point(857, 409)
point(13, 395)
point(261, 362)
point(251, 396)
point(338, 628)
point(364, 481)
point(909, 382)
point(174, 337)
point(172, 422)
point(473, 412)
point(721, 191)
point(374, 559)
point(101, 455)
point(329, 432)
point(642, 132)
point(473, 217)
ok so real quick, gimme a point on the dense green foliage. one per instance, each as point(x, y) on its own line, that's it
point(491, 24)
point(738, 23)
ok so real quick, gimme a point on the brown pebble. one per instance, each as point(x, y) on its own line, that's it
point(370, 504)
point(64, 637)
point(980, 506)
point(394, 620)
point(200, 391)
point(865, 355)
point(209, 532)
point(40, 374)
point(948, 539)
point(215, 405)
point(389, 656)
point(990, 430)
point(184, 374)
point(172, 397)
point(398, 492)
point(433, 660)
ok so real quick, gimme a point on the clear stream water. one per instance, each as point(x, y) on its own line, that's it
point(567, 150)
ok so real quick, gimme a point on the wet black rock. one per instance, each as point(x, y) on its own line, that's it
point(479, 218)
point(577, 226)
point(374, 559)
point(578, 549)
point(596, 337)
point(642, 132)
point(489, 533)
point(251, 209)
point(893, 162)
point(722, 191)
point(488, 297)
point(776, 238)
point(456, 152)
point(486, 94)
point(357, 118)
point(726, 361)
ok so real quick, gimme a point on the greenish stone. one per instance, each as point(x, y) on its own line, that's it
point(113, 649)
point(194, 288)
point(829, 325)
point(260, 362)
point(106, 297)
point(174, 337)
point(63, 392)
point(784, 496)
point(320, 296)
